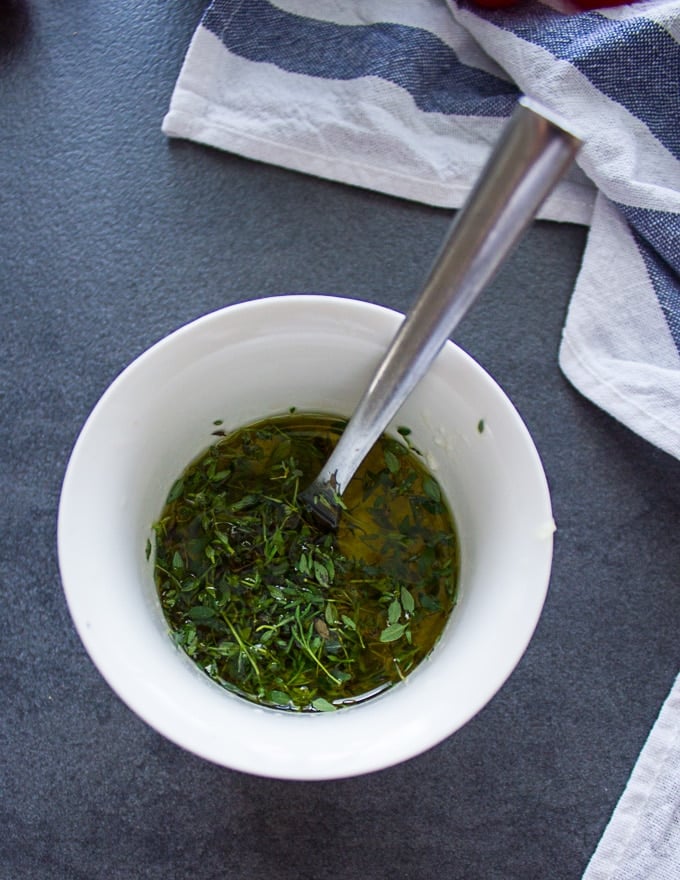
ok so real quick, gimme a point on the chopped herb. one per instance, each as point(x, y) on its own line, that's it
point(391, 461)
point(394, 611)
point(392, 632)
point(480, 426)
point(323, 705)
point(407, 602)
point(432, 490)
point(283, 613)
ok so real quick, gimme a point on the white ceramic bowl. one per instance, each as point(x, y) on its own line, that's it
point(244, 363)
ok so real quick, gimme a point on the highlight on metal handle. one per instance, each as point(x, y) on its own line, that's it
point(534, 151)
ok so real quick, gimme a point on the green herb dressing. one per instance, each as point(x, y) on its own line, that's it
point(287, 615)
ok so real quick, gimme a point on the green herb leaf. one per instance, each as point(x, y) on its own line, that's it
point(200, 613)
point(391, 461)
point(321, 573)
point(431, 489)
point(394, 611)
point(392, 632)
point(175, 491)
point(245, 502)
point(429, 603)
point(323, 705)
point(303, 564)
point(407, 601)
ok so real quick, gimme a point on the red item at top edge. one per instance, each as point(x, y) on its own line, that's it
point(578, 5)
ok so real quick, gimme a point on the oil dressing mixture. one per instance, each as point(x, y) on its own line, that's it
point(276, 609)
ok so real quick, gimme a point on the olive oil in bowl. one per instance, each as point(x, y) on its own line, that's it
point(286, 614)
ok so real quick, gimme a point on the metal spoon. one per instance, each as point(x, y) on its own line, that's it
point(534, 151)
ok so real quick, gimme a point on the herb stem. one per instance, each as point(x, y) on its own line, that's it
point(298, 633)
point(242, 645)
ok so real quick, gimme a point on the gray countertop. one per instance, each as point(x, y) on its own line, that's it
point(111, 237)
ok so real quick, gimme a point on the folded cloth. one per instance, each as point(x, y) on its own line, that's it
point(642, 839)
point(408, 99)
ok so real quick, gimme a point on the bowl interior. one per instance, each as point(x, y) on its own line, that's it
point(244, 363)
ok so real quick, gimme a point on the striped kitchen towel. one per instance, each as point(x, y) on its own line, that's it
point(407, 99)
point(642, 839)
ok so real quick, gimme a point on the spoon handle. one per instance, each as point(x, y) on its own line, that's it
point(534, 151)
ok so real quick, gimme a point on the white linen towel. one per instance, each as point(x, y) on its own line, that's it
point(642, 839)
point(407, 99)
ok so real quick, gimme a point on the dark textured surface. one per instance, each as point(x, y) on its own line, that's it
point(110, 237)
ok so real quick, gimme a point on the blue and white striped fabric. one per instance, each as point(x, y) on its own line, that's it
point(407, 99)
